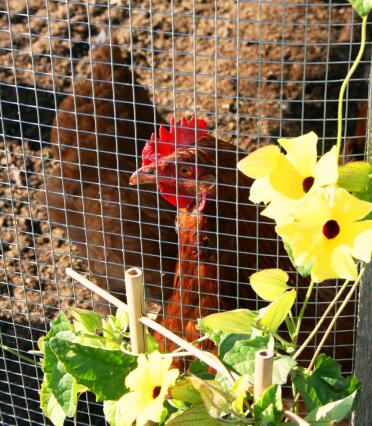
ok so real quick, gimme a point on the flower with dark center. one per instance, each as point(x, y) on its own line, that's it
point(328, 232)
point(331, 229)
point(308, 183)
point(149, 384)
point(282, 180)
point(156, 391)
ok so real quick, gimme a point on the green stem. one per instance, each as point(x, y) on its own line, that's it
point(321, 320)
point(300, 317)
point(20, 356)
point(334, 319)
point(294, 392)
point(291, 326)
point(346, 81)
point(332, 323)
point(282, 341)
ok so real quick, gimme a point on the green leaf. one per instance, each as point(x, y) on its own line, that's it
point(60, 383)
point(227, 342)
point(366, 196)
point(90, 320)
point(164, 416)
point(115, 329)
point(268, 409)
point(223, 381)
point(61, 323)
point(185, 391)
point(238, 321)
point(101, 370)
point(354, 176)
point(200, 369)
point(273, 315)
point(325, 383)
point(50, 406)
point(122, 322)
point(215, 399)
point(177, 404)
point(152, 344)
point(269, 284)
point(304, 271)
point(239, 389)
point(333, 411)
point(241, 356)
point(196, 416)
point(282, 366)
point(363, 7)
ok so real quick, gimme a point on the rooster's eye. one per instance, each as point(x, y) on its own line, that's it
point(185, 171)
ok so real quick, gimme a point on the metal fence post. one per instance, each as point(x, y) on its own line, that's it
point(363, 354)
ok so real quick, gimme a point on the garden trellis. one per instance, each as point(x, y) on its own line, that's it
point(254, 70)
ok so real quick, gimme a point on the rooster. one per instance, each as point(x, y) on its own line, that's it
point(218, 231)
point(95, 137)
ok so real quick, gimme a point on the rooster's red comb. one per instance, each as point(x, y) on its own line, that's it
point(178, 135)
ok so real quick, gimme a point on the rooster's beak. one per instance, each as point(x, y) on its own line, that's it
point(143, 175)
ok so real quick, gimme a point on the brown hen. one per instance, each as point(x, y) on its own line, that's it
point(96, 135)
point(219, 236)
point(222, 238)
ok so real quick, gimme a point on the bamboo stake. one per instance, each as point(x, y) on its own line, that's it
point(295, 418)
point(98, 290)
point(136, 309)
point(211, 360)
point(263, 372)
point(208, 358)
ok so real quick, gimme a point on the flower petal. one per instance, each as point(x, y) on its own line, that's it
point(287, 180)
point(138, 378)
point(348, 208)
point(151, 412)
point(261, 191)
point(336, 264)
point(158, 368)
point(303, 240)
point(151, 372)
point(130, 406)
point(301, 152)
point(326, 169)
point(363, 243)
point(261, 162)
point(280, 209)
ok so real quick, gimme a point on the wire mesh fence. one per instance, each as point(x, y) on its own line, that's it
point(83, 85)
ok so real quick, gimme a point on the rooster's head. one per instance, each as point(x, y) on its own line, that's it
point(173, 162)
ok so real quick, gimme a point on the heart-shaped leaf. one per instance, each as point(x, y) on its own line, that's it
point(363, 7)
point(273, 315)
point(269, 284)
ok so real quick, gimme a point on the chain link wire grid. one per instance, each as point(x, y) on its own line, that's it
point(254, 70)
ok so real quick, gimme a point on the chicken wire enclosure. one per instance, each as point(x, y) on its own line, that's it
point(83, 86)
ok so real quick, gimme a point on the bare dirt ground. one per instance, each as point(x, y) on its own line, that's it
point(255, 73)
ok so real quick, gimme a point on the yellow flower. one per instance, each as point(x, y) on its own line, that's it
point(284, 179)
point(327, 233)
point(149, 384)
